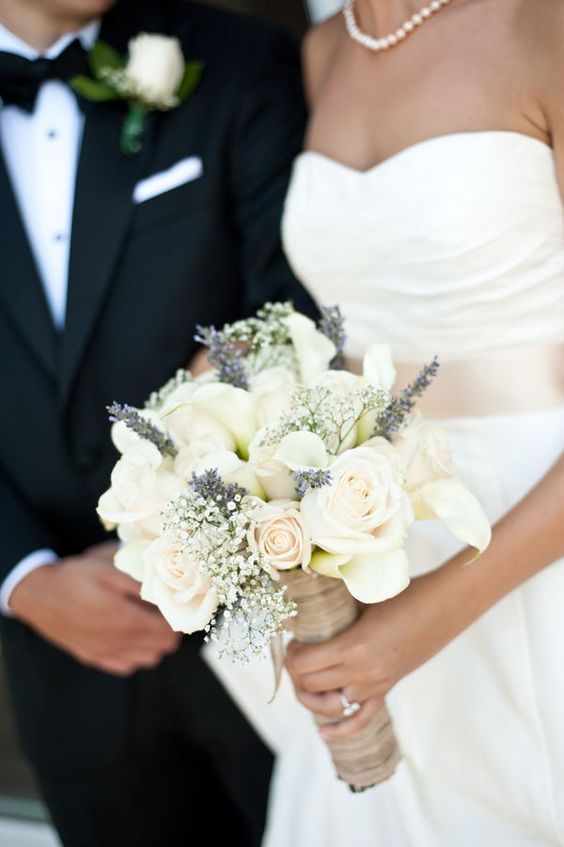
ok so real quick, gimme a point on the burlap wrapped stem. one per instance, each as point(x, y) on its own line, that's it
point(325, 608)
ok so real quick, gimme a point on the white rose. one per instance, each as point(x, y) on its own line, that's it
point(174, 583)
point(426, 452)
point(188, 458)
point(281, 534)
point(273, 389)
point(188, 424)
point(155, 67)
point(360, 521)
point(125, 438)
point(432, 483)
point(142, 483)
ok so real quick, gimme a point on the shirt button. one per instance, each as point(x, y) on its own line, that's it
point(59, 236)
point(52, 134)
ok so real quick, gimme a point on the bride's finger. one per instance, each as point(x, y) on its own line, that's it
point(354, 724)
point(326, 705)
point(309, 658)
point(333, 679)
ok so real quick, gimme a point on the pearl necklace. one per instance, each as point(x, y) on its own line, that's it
point(378, 44)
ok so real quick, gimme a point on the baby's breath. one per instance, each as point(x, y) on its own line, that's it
point(319, 410)
point(213, 522)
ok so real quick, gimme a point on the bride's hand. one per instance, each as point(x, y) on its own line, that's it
point(387, 641)
point(391, 639)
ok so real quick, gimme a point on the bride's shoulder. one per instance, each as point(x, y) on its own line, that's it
point(542, 42)
point(318, 47)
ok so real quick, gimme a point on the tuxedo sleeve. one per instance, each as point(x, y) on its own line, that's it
point(22, 531)
point(268, 128)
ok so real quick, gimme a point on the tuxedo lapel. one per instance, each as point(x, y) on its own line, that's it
point(103, 196)
point(20, 286)
point(102, 212)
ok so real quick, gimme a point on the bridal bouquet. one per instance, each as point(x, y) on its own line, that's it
point(278, 489)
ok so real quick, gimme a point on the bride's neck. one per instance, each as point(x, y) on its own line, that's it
point(381, 16)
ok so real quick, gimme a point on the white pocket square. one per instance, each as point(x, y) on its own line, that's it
point(186, 170)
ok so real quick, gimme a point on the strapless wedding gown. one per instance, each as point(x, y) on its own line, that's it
point(454, 247)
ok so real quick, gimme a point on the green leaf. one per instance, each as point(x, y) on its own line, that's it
point(104, 56)
point(92, 89)
point(190, 80)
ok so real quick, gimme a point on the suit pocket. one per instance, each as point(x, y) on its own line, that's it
point(177, 203)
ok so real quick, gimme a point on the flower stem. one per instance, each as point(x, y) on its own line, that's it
point(133, 129)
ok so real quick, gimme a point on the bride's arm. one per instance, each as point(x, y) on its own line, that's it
point(392, 639)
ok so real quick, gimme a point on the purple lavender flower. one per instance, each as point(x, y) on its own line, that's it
point(397, 410)
point(311, 478)
point(332, 325)
point(224, 355)
point(142, 427)
point(210, 486)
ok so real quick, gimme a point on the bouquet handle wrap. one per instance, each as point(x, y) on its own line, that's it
point(325, 608)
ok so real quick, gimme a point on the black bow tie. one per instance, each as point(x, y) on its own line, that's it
point(20, 78)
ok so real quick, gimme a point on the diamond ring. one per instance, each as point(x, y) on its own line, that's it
point(349, 709)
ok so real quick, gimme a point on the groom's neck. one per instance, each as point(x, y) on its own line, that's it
point(41, 22)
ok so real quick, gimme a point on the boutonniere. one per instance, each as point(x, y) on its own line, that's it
point(153, 77)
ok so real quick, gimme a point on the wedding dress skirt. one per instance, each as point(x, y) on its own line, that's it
point(453, 247)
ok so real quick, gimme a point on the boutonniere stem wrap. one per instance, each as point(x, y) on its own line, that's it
point(154, 76)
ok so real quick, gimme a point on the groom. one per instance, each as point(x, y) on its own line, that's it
point(108, 262)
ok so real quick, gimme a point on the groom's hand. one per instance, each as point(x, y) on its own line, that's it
point(86, 607)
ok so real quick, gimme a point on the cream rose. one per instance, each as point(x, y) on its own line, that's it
point(155, 68)
point(142, 483)
point(281, 534)
point(426, 452)
point(364, 506)
point(360, 523)
point(172, 581)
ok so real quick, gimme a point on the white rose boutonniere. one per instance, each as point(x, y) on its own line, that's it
point(153, 77)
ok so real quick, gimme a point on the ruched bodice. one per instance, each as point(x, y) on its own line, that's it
point(453, 246)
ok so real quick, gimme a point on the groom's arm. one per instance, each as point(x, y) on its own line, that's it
point(26, 542)
point(268, 127)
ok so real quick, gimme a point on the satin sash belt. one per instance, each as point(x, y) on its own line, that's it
point(505, 382)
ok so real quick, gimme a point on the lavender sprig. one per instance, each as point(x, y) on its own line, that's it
point(210, 486)
point(397, 410)
point(224, 355)
point(311, 478)
point(142, 427)
point(332, 325)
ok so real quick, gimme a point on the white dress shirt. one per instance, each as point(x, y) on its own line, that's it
point(41, 153)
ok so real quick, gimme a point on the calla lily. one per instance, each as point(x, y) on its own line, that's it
point(370, 577)
point(373, 579)
point(449, 501)
point(302, 450)
point(233, 407)
point(231, 469)
point(378, 367)
point(314, 351)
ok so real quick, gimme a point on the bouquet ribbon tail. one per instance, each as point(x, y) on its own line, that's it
point(278, 654)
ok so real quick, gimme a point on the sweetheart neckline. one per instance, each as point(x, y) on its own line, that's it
point(424, 143)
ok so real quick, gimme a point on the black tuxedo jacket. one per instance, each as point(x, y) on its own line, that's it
point(141, 277)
